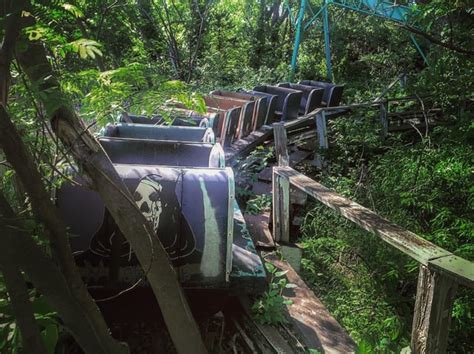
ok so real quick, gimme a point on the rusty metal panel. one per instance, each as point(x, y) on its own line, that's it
point(190, 210)
point(159, 132)
point(160, 152)
point(229, 118)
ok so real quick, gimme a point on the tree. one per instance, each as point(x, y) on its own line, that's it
point(89, 155)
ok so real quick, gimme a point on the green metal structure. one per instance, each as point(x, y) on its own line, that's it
point(384, 9)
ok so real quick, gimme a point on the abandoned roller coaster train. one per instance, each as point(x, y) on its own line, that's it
point(176, 170)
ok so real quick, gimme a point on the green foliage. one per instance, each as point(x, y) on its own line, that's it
point(248, 170)
point(135, 56)
point(269, 309)
point(85, 48)
point(10, 337)
point(426, 187)
point(259, 204)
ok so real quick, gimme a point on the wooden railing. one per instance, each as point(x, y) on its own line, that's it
point(440, 271)
point(320, 116)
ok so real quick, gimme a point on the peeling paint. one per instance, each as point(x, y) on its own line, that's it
point(210, 263)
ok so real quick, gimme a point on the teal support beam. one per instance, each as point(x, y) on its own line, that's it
point(313, 19)
point(385, 9)
point(327, 48)
point(418, 48)
point(296, 45)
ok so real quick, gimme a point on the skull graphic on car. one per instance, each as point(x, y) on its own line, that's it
point(147, 198)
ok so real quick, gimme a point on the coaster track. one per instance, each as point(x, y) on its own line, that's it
point(386, 10)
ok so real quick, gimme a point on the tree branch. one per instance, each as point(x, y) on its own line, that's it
point(436, 40)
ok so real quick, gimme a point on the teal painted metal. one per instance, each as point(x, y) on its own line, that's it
point(422, 53)
point(314, 18)
point(327, 47)
point(384, 9)
point(296, 45)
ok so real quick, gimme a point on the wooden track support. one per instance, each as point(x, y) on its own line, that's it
point(281, 188)
point(433, 307)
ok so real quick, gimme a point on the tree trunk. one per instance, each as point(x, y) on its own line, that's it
point(91, 157)
point(17, 249)
point(47, 213)
point(22, 310)
point(44, 209)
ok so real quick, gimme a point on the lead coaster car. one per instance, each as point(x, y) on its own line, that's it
point(159, 132)
point(193, 213)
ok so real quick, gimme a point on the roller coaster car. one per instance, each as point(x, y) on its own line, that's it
point(287, 102)
point(332, 93)
point(247, 111)
point(159, 132)
point(185, 192)
point(225, 122)
point(260, 110)
point(311, 99)
point(270, 102)
point(176, 117)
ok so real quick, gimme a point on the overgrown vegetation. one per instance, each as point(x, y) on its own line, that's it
point(134, 55)
point(269, 308)
point(424, 185)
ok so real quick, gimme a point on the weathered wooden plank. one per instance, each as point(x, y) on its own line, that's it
point(281, 148)
point(434, 303)
point(455, 267)
point(318, 329)
point(406, 241)
point(266, 338)
point(281, 208)
point(266, 174)
point(259, 230)
point(322, 130)
point(297, 156)
point(244, 146)
point(259, 188)
point(323, 142)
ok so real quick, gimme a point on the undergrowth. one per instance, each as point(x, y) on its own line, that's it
point(424, 183)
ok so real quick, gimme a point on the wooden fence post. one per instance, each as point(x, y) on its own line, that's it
point(281, 148)
point(321, 130)
point(281, 207)
point(434, 303)
point(281, 187)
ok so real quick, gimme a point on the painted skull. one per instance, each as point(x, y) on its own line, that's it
point(148, 199)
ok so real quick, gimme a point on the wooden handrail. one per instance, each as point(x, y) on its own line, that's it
point(405, 241)
point(440, 270)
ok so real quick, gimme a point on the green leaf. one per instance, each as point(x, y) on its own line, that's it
point(270, 267)
point(50, 338)
point(86, 48)
point(281, 273)
point(35, 33)
point(73, 10)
